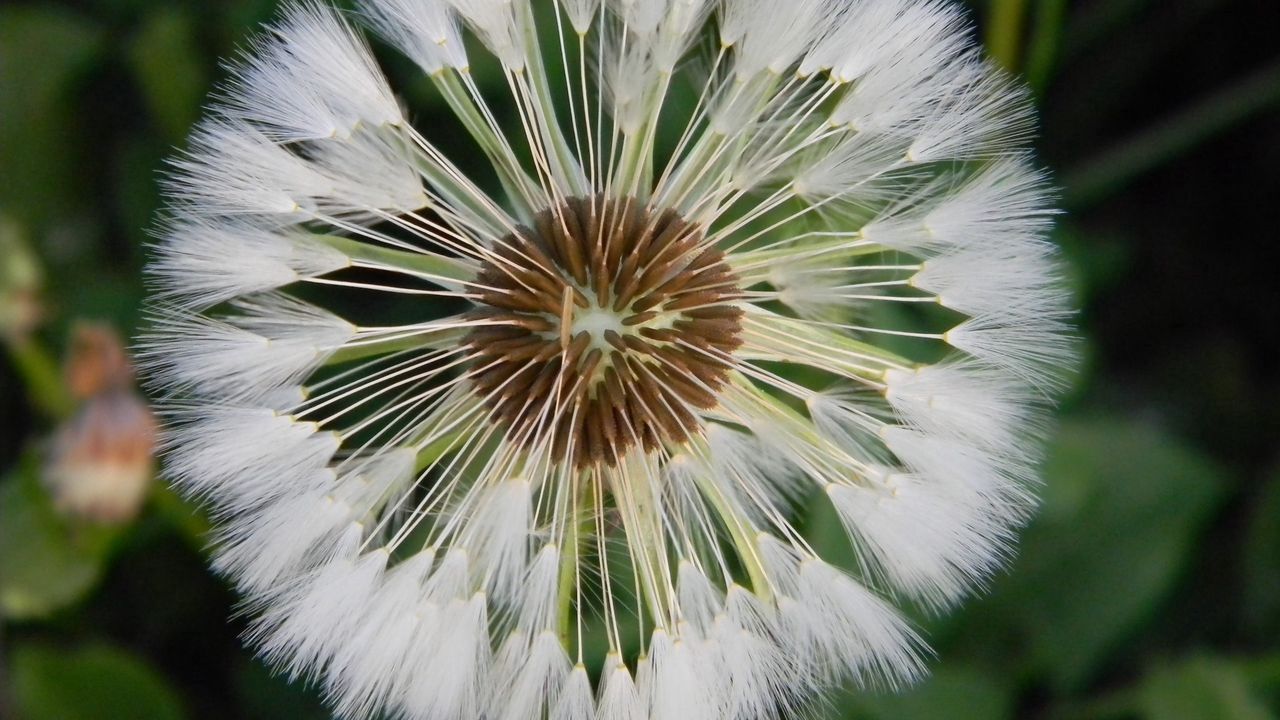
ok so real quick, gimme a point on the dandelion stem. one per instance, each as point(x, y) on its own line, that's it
point(426, 264)
point(1004, 32)
point(1046, 39)
point(755, 266)
point(571, 555)
point(40, 375)
point(644, 530)
point(565, 167)
point(429, 455)
point(743, 540)
point(437, 340)
point(516, 183)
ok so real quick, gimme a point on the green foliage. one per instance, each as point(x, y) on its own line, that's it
point(46, 562)
point(44, 53)
point(1124, 506)
point(164, 57)
point(101, 682)
point(1200, 689)
point(1262, 563)
point(264, 696)
point(949, 693)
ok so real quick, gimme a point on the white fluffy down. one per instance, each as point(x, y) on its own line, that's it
point(856, 164)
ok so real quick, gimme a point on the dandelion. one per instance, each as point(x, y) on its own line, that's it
point(532, 441)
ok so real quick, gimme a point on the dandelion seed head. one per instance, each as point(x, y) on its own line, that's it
point(533, 443)
point(612, 313)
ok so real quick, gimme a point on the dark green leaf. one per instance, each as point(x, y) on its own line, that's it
point(164, 58)
point(1123, 506)
point(265, 696)
point(950, 693)
point(92, 683)
point(46, 562)
point(1262, 563)
point(43, 51)
point(1200, 689)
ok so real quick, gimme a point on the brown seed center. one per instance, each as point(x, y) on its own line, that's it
point(609, 325)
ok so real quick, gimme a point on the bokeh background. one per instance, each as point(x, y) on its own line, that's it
point(1147, 587)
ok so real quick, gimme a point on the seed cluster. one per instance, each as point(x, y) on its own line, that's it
point(606, 326)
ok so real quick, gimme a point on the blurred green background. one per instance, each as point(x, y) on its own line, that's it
point(1147, 587)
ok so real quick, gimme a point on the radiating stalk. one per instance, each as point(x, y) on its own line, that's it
point(520, 188)
point(425, 264)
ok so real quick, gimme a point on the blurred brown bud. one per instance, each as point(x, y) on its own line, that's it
point(97, 362)
point(103, 458)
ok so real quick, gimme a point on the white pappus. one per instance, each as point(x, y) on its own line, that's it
point(530, 443)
